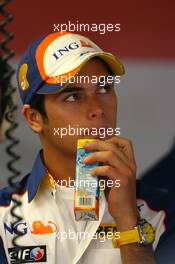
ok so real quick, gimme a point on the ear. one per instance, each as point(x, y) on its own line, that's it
point(33, 117)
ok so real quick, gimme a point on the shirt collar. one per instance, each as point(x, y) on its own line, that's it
point(35, 177)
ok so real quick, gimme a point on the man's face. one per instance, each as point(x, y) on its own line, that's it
point(80, 105)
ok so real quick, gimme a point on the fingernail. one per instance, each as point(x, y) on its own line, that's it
point(92, 173)
point(85, 159)
point(86, 144)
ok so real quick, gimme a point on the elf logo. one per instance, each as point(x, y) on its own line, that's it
point(29, 254)
point(72, 46)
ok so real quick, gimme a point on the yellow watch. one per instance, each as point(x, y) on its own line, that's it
point(143, 234)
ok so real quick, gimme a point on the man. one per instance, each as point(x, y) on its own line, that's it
point(49, 104)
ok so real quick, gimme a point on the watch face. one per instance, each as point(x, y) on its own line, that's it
point(147, 233)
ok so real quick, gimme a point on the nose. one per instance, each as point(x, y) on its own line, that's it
point(95, 110)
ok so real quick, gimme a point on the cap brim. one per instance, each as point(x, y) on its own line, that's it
point(114, 63)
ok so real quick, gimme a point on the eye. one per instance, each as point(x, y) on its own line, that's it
point(105, 89)
point(72, 98)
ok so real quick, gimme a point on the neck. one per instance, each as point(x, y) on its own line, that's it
point(59, 165)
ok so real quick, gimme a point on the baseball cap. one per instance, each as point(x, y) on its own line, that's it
point(56, 57)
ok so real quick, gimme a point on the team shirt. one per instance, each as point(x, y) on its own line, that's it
point(52, 235)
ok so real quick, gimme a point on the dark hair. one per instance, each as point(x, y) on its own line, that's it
point(37, 103)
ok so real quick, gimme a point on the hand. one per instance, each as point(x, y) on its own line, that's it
point(117, 156)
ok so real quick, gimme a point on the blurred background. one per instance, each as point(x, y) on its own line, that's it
point(146, 46)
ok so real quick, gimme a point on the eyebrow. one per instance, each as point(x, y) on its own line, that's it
point(77, 88)
point(70, 89)
point(106, 81)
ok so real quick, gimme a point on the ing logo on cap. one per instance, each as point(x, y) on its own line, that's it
point(23, 83)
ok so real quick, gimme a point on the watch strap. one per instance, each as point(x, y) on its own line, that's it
point(127, 237)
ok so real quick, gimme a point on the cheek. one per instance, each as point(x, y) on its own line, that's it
point(63, 119)
point(115, 102)
point(111, 110)
point(111, 105)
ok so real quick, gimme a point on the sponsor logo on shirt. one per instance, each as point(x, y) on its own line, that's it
point(107, 231)
point(39, 228)
point(29, 254)
point(20, 227)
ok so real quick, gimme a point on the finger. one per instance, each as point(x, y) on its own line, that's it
point(106, 157)
point(101, 145)
point(125, 146)
point(105, 171)
point(113, 174)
